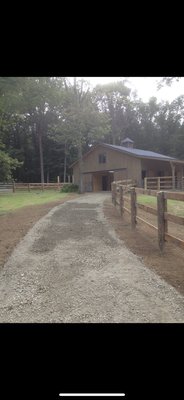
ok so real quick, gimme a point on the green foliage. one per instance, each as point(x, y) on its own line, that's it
point(69, 187)
point(113, 99)
point(7, 165)
point(167, 81)
point(47, 123)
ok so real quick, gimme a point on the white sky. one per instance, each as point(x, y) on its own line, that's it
point(146, 87)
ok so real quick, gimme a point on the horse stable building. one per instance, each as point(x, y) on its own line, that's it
point(105, 163)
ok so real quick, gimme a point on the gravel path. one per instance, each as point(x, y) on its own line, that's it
point(71, 267)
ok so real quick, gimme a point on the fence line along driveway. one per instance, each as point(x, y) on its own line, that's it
point(71, 267)
point(6, 187)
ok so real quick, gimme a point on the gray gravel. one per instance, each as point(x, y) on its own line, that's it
point(71, 267)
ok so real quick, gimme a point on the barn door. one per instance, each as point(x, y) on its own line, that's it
point(105, 182)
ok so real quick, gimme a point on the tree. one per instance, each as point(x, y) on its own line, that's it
point(80, 123)
point(9, 93)
point(7, 165)
point(88, 123)
point(46, 123)
point(40, 98)
point(112, 99)
point(167, 81)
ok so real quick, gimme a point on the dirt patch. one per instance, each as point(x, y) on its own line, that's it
point(143, 242)
point(14, 225)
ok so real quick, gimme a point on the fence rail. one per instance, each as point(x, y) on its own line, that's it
point(5, 187)
point(28, 186)
point(163, 183)
point(119, 197)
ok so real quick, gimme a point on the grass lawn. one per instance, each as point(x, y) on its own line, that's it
point(174, 206)
point(12, 201)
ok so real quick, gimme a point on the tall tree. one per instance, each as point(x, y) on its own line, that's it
point(40, 97)
point(168, 80)
point(112, 99)
point(80, 122)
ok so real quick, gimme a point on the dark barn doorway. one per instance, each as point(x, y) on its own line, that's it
point(105, 182)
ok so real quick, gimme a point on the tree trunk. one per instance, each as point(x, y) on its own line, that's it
point(113, 130)
point(80, 168)
point(41, 155)
point(65, 164)
point(47, 175)
point(74, 85)
point(78, 106)
point(113, 137)
point(111, 109)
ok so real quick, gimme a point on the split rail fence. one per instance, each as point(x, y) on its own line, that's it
point(38, 186)
point(119, 198)
point(28, 186)
point(6, 187)
point(163, 183)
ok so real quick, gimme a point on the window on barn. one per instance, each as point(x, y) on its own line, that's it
point(102, 158)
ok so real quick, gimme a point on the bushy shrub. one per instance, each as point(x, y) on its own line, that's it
point(69, 188)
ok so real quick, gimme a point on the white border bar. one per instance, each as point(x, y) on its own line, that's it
point(92, 394)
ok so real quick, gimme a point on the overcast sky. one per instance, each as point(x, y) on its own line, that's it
point(146, 87)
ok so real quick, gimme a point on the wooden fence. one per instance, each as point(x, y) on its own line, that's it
point(5, 187)
point(28, 186)
point(163, 183)
point(119, 198)
point(127, 183)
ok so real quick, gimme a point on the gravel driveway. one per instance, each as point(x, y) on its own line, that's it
point(71, 267)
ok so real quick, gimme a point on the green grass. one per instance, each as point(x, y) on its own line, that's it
point(13, 201)
point(174, 206)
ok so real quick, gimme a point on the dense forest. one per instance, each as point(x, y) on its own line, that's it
point(46, 123)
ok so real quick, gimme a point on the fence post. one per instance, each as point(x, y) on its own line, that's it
point(145, 183)
point(115, 193)
point(162, 223)
point(133, 207)
point(58, 182)
point(42, 187)
point(121, 200)
point(13, 187)
point(112, 190)
point(158, 183)
point(165, 210)
point(28, 187)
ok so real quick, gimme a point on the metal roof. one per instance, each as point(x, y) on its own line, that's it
point(139, 152)
point(134, 152)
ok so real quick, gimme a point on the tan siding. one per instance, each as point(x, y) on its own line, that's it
point(87, 182)
point(114, 160)
point(128, 167)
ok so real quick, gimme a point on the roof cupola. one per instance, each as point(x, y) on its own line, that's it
point(127, 143)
